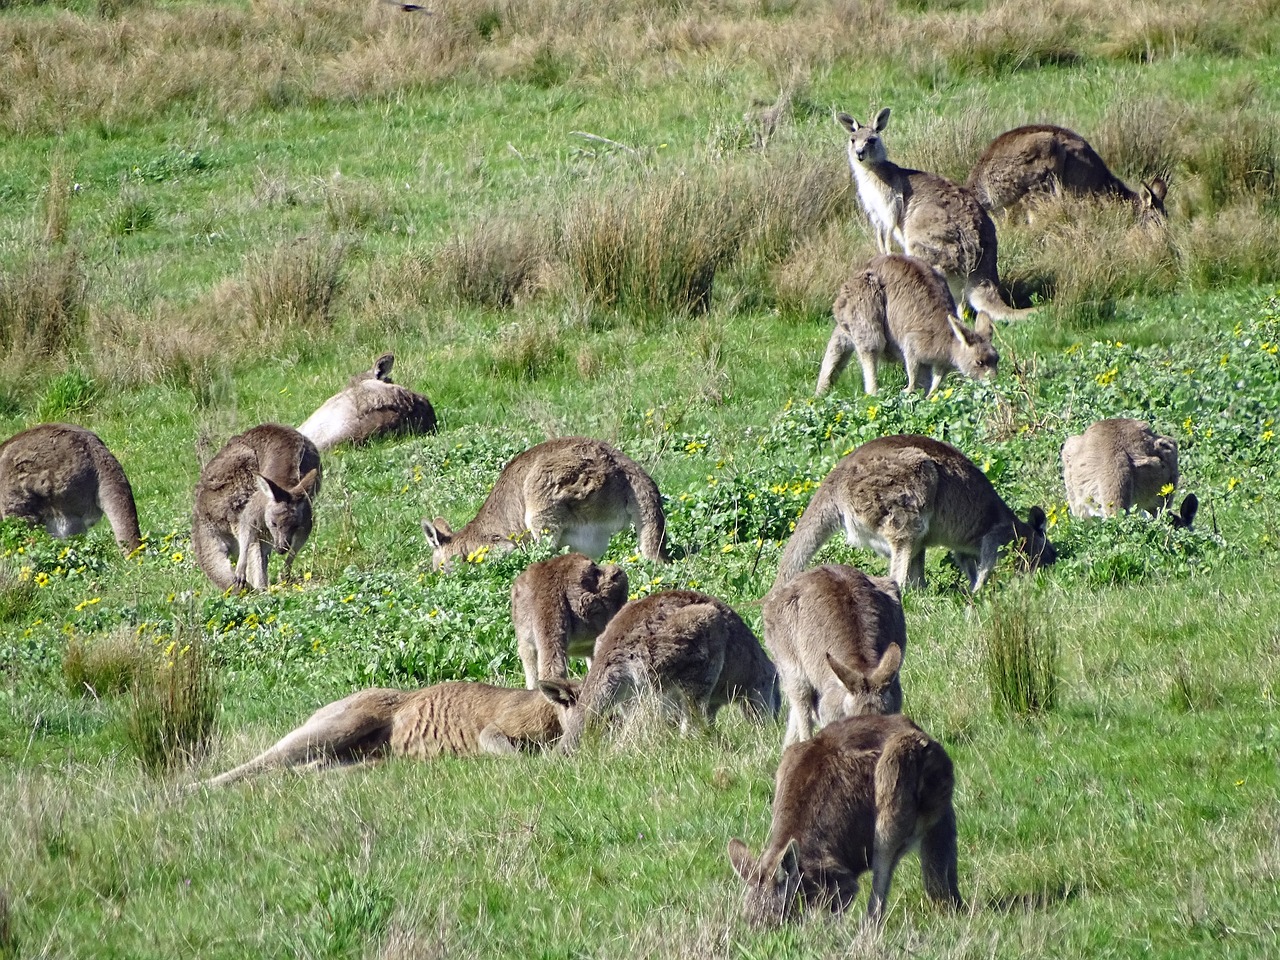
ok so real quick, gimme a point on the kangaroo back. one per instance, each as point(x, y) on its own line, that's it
point(1117, 464)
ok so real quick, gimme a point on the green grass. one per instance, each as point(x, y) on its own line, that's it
point(417, 176)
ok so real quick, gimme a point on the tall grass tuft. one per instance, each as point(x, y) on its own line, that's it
point(295, 286)
point(8, 938)
point(66, 395)
point(1020, 657)
point(42, 305)
point(172, 717)
point(57, 201)
point(186, 346)
point(494, 264)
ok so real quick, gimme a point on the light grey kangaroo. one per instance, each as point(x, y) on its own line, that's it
point(929, 217)
point(898, 495)
point(837, 637)
point(900, 307)
point(1040, 160)
point(63, 477)
point(577, 491)
point(1120, 463)
point(857, 797)
point(254, 496)
point(370, 405)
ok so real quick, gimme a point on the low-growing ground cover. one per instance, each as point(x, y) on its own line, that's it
point(208, 248)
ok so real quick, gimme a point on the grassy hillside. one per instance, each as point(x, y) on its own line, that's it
point(627, 221)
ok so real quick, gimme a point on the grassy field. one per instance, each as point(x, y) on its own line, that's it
point(211, 214)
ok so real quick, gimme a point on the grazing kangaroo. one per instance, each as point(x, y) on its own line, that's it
point(64, 477)
point(459, 718)
point(692, 649)
point(900, 307)
point(838, 637)
point(559, 607)
point(1037, 161)
point(577, 491)
point(857, 797)
point(929, 217)
point(370, 406)
point(1118, 464)
point(253, 496)
point(898, 495)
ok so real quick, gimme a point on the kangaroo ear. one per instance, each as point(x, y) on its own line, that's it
point(853, 681)
point(308, 485)
point(382, 367)
point(438, 532)
point(882, 119)
point(847, 122)
point(740, 857)
point(960, 331)
point(1158, 189)
point(271, 488)
point(561, 692)
point(983, 326)
point(1037, 519)
point(1187, 512)
point(887, 669)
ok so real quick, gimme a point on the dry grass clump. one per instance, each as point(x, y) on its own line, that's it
point(806, 281)
point(1237, 158)
point(494, 264)
point(185, 345)
point(1234, 245)
point(42, 305)
point(172, 718)
point(527, 351)
point(293, 287)
point(104, 665)
point(788, 199)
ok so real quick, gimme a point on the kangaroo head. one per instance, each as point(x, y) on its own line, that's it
point(446, 544)
point(865, 144)
point(1151, 200)
point(974, 354)
point(773, 887)
point(1032, 540)
point(874, 693)
point(563, 695)
point(287, 514)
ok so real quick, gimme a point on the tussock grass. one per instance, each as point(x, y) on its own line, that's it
point(1020, 656)
point(172, 717)
point(66, 396)
point(494, 264)
point(104, 665)
point(42, 305)
point(187, 346)
point(294, 287)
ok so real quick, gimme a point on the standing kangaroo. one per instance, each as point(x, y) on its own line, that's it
point(579, 492)
point(838, 637)
point(1118, 464)
point(458, 718)
point(929, 217)
point(253, 496)
point(900, 307)
point(692, 649)
point(1037, 161)
point(857, 797)
point(370, 406)
point(64, 477)
point(559, 606)
point(898, 495)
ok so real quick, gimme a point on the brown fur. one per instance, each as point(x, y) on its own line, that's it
point(1040, 160)
point(457, 718)
point(370, 406)
point(692, 649)
point(1119, 464)
point(64, 477)
point(929, 217)
point(577, 491)
point(898, 495)
point(254, 496)
point(838, 638)
point(856, 797)
point(900, 307)
point(559, 606)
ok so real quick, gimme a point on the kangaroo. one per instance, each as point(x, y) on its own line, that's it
point(559, 607)
point(857, 797)
point(370, 406)
point(1118, 464)
point(253, 496)
point(458, 718)
point(1037, 161)
point(838, 637)
point(577, 491)
point(900, 494)
point(929, 217)
point(692, 649)
point(900, 307)
point(64, 477)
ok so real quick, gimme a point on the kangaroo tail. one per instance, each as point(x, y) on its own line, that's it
point(115, 497)
point(984, 296)
point(645, 506)
point(814, 528)
point(211, 555)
